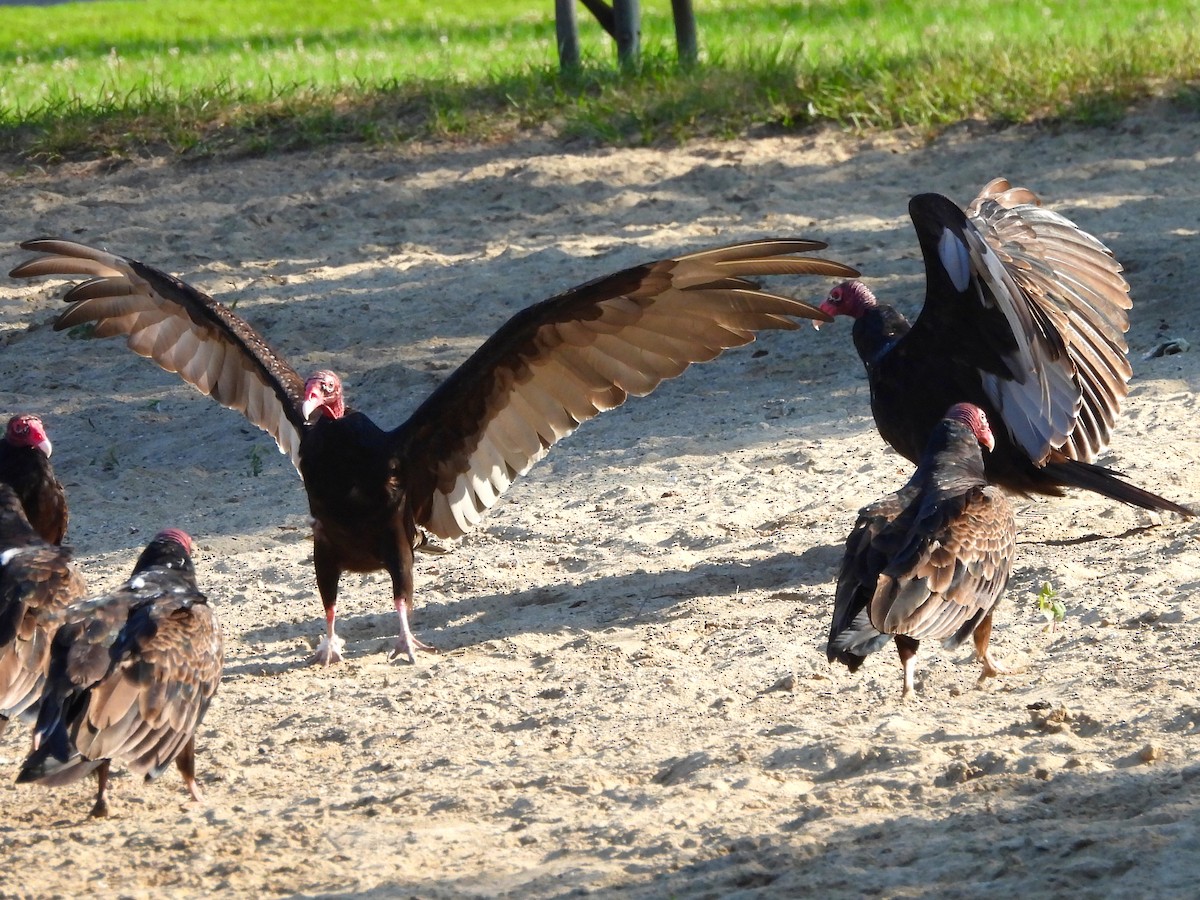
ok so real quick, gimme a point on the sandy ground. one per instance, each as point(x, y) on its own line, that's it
point(632, 697)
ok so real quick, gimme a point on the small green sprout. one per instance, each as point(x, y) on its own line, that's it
point(1051, 607)
point(256, 461)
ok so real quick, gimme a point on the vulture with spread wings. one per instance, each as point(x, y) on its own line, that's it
point(374, 493)
point(131, 676)
point(1025, 317)
point(931, 561)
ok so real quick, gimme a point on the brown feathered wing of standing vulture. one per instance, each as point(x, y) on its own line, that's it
point(38, 581)
point(131, 676)
point(931, 560)
point(1025, 316)
point(25, 466)
point(374, 494)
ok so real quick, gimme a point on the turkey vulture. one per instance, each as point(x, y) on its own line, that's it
point(932, 559)
point(1024, 317)
point(38, 581)
point(131, 676)
point(25, 465)
point(375, 494)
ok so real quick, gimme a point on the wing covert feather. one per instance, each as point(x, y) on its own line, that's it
point(953, 570)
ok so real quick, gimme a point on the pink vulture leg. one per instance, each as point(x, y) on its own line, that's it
point(186, 762)
point(100, 809)
point(907, 648)
point(982, 636)
point(402, 580)
point(330, 648)
point(328, 571)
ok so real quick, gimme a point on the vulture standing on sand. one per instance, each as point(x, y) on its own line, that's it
point(931, 560)
point(373, 493)
point(131, 676)
point(1024, 316)
point(38, 581)
point(25, 465)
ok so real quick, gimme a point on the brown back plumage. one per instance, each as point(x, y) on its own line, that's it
point(38, 581)
point(132, 674)
point(930, 561)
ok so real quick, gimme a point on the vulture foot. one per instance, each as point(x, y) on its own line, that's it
point(328, 651)
point(100, 808)
point(992, 668)
point(407, 644)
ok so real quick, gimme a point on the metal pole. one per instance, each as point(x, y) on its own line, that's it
point(685, 31)
point(628, 17)
point(567, 31)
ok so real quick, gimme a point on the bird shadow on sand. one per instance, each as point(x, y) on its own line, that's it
point(564, 607)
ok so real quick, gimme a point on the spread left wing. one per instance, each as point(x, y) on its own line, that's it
point(562, 361)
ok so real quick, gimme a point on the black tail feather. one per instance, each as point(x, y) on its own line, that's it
point(41, 767)
point(1109, 483)
point(852, 644)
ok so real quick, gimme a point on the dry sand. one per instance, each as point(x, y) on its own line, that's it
point(632, 696)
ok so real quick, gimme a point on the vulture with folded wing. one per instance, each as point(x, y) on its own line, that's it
point(375, 493)
point(131, 676)
point(38, 581)
point(931, 560)
point(25, 466)
point(1024, 316)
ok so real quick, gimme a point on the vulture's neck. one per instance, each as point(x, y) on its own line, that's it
point(953, 461)
point(876, 331)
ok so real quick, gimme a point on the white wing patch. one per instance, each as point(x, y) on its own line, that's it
point(955, 259)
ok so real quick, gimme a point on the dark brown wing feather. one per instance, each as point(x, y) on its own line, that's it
point(37, 584)
point(149, 704)
point(951, 573)
point(181, 329)
point(869, 549)
point(131, 677)
point(563, 361)
point(38, 581)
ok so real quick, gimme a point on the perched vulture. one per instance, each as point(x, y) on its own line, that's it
point(931, 560)
point(1024, 316)
point(38, 581)
point(374, 494)
point(25, 465)
point(131, 676)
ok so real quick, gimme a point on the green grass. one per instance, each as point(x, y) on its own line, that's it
point(198, 76)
